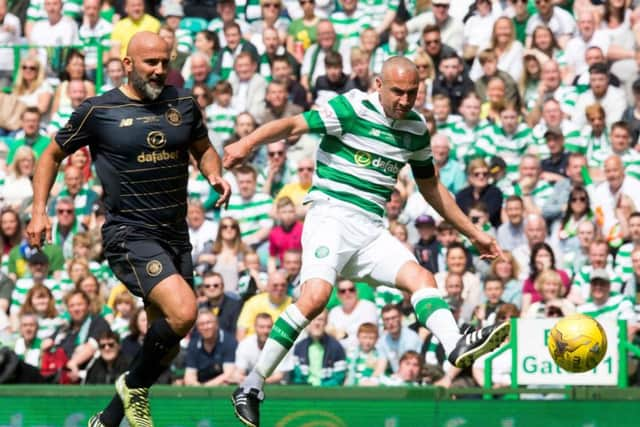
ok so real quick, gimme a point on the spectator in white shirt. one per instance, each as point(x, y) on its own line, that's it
point(56, 30)
point(9, 34)
point(608, 194)
point(249, 350)
point(201, 231)
point(345, 319)
point(557, 19)
point(600, 91)
point(587, 37)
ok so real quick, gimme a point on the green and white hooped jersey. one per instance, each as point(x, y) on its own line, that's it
point(377, 9)
point(540, 193)
point(623, 261)
point(616, 307)
point(70, 8)
point(598, 148)
point(582, 280)
point(363, 150)
point(573, 140)
point(348, 28)
point(494, 141)
point(463, 137)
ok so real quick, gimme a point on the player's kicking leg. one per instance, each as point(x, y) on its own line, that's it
point(173, 305)
point(246, 399)
point(433, 312)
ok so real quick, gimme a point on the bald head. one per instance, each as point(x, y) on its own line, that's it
point(145, 41)
point(399, 67)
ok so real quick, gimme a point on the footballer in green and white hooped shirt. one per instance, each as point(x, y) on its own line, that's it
point(367, 139)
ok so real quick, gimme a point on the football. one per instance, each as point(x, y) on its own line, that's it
point(577, 343)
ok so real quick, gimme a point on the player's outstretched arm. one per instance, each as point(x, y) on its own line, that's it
point(210, 166)
point(270, 132)
point(439, 197)
point(43, 179)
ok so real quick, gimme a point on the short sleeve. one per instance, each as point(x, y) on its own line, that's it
point(76, 133)
point(333, 118)
point(190, 358)
point(230, 353)
point(241, 361)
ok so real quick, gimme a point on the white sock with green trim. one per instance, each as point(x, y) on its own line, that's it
point(283, 334)
point(433, 312)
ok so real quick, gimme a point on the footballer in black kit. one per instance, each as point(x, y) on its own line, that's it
point(141, 136)
point(141, 155)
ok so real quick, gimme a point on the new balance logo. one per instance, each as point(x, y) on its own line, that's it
point(126, 122)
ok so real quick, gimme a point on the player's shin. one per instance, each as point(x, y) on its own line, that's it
point(148, 364)
point(283, 334)
point(433, 312)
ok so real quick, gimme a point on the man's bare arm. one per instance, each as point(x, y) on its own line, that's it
point(439, 197)
point(211, 167)
point(43, 179)
point(265, 134)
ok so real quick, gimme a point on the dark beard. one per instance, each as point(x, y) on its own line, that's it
point(143, 87)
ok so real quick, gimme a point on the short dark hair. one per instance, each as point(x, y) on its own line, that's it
point(620, 124)
point(32, 110)
point(449, 55)
point(223, 86)
point(333, 59)
point(246, 169)
point(280, 58)
point(431, 28)
point(389, 307)
point(493, 278)
point(109, 335)
point(263, 316)
point(230, 25)
point(599, 68)
point(514, 198)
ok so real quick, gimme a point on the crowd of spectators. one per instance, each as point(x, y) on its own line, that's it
point(534, 113)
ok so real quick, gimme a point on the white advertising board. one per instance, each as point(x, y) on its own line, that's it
point(536, 367)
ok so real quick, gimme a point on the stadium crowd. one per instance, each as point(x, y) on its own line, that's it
point(534, 112)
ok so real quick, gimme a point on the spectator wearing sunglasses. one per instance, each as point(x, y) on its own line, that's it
point(299, 188)
point(480, 190)
point(214, 299)
point(345, 319)
point(110, 364)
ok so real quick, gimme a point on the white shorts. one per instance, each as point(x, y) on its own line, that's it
point(339, 240)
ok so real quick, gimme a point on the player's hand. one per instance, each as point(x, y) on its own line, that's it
point(223, 188)
point(38, 226)
point(235, 153)
point(487, 246)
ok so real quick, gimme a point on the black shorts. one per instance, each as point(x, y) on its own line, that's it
point(141, 262)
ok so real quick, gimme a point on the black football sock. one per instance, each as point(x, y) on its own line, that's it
point(147, 365)
point(113, 413)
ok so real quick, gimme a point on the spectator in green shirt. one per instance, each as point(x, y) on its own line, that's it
point(29, 134)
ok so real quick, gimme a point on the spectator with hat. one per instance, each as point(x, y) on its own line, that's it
point(38, 274)
point(554, 167)
point(603, 303)
point(427, 247)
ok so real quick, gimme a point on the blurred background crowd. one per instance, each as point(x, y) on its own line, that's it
point(534, 112)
